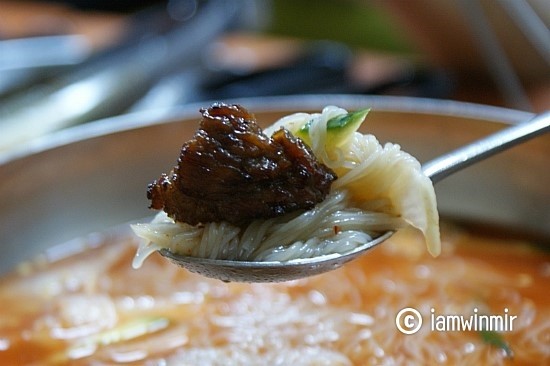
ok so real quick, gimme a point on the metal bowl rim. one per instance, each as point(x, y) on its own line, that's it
point(136, 120)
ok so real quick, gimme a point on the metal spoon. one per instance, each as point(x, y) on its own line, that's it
point(436, 170)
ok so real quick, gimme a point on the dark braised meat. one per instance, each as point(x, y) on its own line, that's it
point(231, 171)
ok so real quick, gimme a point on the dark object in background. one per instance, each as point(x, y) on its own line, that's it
point(321, 68)
point(122, 6)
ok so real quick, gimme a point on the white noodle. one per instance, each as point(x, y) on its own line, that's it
point(309, 234)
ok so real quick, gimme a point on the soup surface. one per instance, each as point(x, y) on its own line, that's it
point(82, 304)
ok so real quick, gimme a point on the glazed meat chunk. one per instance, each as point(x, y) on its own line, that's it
point(231, 171)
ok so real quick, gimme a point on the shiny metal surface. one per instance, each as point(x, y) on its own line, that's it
point(241, 271)
point(93, 177)
point(463, 157)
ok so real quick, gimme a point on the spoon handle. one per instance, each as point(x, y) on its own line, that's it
point(445, 165)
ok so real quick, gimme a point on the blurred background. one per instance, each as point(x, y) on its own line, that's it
point(69, 62)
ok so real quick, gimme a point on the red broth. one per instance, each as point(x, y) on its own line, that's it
point(91, 307)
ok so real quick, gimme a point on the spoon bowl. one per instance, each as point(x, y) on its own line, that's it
point(436, 169)
point(248, 271)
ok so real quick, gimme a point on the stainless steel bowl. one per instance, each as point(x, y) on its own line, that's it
point(94, 176)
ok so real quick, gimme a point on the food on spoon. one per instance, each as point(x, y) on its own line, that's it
point(241, 193)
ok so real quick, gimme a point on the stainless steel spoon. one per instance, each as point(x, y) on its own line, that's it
point(436, 169)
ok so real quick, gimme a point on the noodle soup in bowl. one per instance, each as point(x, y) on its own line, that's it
point(71, 296)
